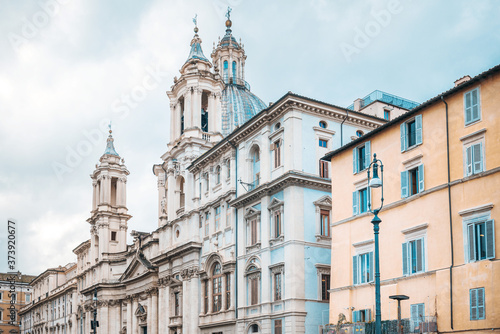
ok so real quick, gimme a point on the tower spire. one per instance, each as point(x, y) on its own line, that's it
point(110, 148)
point(196, 52)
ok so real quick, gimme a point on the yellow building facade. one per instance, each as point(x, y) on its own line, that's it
point(16, 291)
point(440, 216)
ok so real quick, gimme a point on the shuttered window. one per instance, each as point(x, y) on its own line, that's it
point(362, 266)
point(323, 169)
point(411, 133)
point(361, 157)
point(417, 314)
point(472, 107)
point(362, 315)
point(413, 256)
point(480, 241)
point(477, 309)
point(474, 159)
point(412, 181)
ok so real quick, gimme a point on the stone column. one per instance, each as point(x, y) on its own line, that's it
point(119, 187)
point(129, 316)
point(217, 114)
point(211, 112)
point(197, 107)
point(154, 313)
point(135, 328)
point(173, 120)
point(170, 193)
point(188, 112)
point(124, 191)
point(101, 189)
point(94, 195)
point(223, 292)
point(103, 318)
point(149, 319)
point(195, 302)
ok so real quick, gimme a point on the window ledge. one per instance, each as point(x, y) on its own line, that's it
point(411, 148)
point(277, 132)
point(324, 130)
point(217, 187)
point(322, 238)
point(276, 240)
point(473, 122)
point(253, 247)
point(276, 168)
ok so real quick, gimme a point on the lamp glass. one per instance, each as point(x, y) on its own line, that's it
point(375, 183)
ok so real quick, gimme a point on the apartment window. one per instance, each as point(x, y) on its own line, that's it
point(472, 108)
point(216, 288)
point(480, 241)
point(217, 174)
point(474, 159)
point(362, 315)
point(387, 115)
point(278, 326)
point(323, 169)
point(277, 223)
point(228, 215)
point(360, 199)
point(412, 181)
point(414, 256)
point(417, 316)
point(228, 290)
point(27, 297)
point(325, 286)
point(113, 236)
point(361, 157)
point(228, 164)
point(323, 143)
point(277, 286)
point(205, 295)
point(362, 265)
point(252, 218)
point(253, 231)
point(411, 133)
point(276, 147)
point(217, 218)
point(177, 304)
point(207, 224)
point(253, 281)
point(200, 221)
point(325, 223)
point(477, 311)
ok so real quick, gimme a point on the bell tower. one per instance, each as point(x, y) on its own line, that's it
point(109, 215)
point(195, 98)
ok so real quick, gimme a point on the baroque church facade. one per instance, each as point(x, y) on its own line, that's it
point(243, 237)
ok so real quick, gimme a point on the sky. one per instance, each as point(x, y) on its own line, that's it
point(69, 67)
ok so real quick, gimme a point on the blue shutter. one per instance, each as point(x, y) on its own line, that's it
point(471, 246)
point(480, 303)
point(354, 203)
point(405, 258)
point(468, 161)
point(490, 239)
point(477, 158)
point(370, 267)
point(355, 316)
point(355, 160)
point(475, 105)
point(368, 313)
point(404, 184)
point(468, 107)
point(403, 137)
point(421, 186)
point(355, 269)
point(473, 304)
point(367, 154)
point(414, 314)
point(419, 249)
point(418, 129)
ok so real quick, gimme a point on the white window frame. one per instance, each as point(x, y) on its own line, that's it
point(362, 248)
point(359, 186)
point(322, 269)
point(275, 206)
point(476, 291)
point(419, 135)
point(472, 121)
point(253, 214)
point(468, 141)
point(323, 203)
point(473, 216)
point(356, 159)
point(413, 234)
point(278, 268)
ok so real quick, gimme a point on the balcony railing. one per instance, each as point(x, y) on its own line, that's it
point(422, 325)
point(237, 81)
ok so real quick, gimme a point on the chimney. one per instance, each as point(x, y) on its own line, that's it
point(358, 104)
point(462, 80)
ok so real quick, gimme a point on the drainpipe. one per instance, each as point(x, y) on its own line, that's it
point(450, 214)
point(236, 231)
point(342, 129)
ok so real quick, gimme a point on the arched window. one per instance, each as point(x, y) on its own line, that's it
point(322, 124)
point(217, 174)
point(253, 285)
point(234, 72)
point(359, 133)
point(204, 112)
point(182, 195)
point(181, 102)
point(225, 70)
point(217, 288)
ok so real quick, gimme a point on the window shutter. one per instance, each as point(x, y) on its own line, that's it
point(355, 316)
point(480, 303)
point(490, 239)
point(418, 129)
point(367, 154)
point(326, 169)
point(468, 107)
point(354, 203)
point(414, 313)
point(468, 161)
point(405, 258)
point(471, 240)
point(403, 137)
point(368, 315)
point(371, 268)
point(421, 185)
point(475, 104)
point(355, 269)
point(477, 158)
point(404, 184)
point(473, 304)
point(355, 160)
point(419, 244)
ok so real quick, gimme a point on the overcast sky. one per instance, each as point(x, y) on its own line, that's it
point(67, 67)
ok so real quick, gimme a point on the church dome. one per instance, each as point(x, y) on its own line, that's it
point(239, 104)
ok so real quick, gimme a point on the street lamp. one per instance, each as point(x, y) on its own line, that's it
point(376, 182)
point(95, 324)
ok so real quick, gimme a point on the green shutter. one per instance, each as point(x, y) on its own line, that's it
point(419, 246)
point(367, 154)
point(480, 303)
point(355, 316)
point(475, 104)
point(418, 129)
point(403, 137)
point(354, 203)
point(421, 186)
point(355, 160)
point(404, 184)
point(471, 240)
point(468, 161)
point(405, 258)
point(355, 269)
point(371, 267)
point(490, 239)
point(468, 107)
point(473, 304)
point(477, 158)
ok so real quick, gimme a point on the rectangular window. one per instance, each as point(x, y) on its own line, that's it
point(325, 222)
point(200, 222)
point(205, 296)
point(323, 143)
point(413, 256)
point(277, 223)
point(472, 107)
point(360, 199)
point(361, 315)
point(277, 326)
point(387, 115)
point(228, 215)
point(228, 291)
point(254, 291)
point(361, 157)
point(113, 236)
point(277, 286)
point(217, 218)
point(207, 224)
point(253, 231)
point(323, 169)
point(474, 159)
point(411, 133)
point(177, 306)
point(481, 240)
point(477, 310)
point(217, 294)
point(27, 296)
point(277, 153)
point(362, 265)
point(412, 181)
point(417, 316)
point(325, 286)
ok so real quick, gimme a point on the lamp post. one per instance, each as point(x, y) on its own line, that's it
point(95, 324)
point(376, 182)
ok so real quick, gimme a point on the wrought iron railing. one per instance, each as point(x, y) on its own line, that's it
point(237, 81)
point(378, 95)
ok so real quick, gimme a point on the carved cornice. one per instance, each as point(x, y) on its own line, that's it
point(189, 273)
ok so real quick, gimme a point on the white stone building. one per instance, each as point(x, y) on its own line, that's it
point(243, 237)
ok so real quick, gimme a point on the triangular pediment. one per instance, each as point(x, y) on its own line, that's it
point(135, 268)
point(275, 203)
point(251, 212)
point(324, 201)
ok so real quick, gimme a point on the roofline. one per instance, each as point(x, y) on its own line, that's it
point(465, 85)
